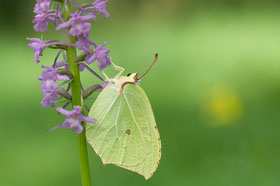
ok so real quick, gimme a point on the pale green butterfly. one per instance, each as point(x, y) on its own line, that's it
point(126, 133)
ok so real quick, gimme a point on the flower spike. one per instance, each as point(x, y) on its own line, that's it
point(76, 24)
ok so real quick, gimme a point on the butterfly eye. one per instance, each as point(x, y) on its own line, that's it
point(128, 74)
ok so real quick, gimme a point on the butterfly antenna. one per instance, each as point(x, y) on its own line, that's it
point(156, 57)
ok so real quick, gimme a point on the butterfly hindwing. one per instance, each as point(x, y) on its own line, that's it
point(125, 134)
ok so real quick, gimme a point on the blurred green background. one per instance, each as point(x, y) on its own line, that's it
point(215, 92)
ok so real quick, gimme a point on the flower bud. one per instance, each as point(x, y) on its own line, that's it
point(65, 72)
point(62, 92)
point(90, 90)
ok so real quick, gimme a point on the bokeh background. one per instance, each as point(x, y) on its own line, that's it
point(215, 92)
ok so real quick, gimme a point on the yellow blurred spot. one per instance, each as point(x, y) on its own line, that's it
point(223, 106)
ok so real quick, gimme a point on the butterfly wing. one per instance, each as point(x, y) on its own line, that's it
point(140, 107)
point(125, 134)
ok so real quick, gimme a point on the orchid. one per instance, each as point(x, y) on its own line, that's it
point(49, 99)
point(50, 74)
point(76, 26)
point(101, 55)
point(74, 119)
point(84, 43)
point(38, 47)
point(61, 81)
point(100, 6)
point(49, 84)
point(42, 6)
point(77, 23)
point(79, 29)
point(42, 22)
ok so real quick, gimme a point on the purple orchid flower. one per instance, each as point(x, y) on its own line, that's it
point(50, 74)
point(49, 78)
point(49, 84)
point(84, 43)
point(42, 6)
point(77, 23)
point(49, 99)
point(101, 54)
point(100, 6)
point(37, 46)
point(41, 21)
point(74, 119)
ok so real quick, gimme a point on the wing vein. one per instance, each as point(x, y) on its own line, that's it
point(97, 127)
point(115, 125)
point(133, 117)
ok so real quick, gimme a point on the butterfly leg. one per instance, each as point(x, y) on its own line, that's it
point(117, 68)
point(106, 77)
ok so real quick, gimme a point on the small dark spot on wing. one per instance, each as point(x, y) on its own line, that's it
point(128, 74)
point(128, 131)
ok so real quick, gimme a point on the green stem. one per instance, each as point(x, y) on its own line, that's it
point(83, 153)
point(77, 101)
